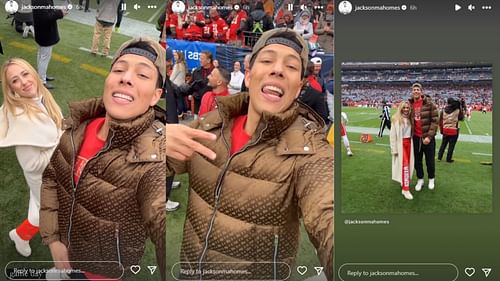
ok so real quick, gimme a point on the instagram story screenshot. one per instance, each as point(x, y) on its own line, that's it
point(416, 191)
point(167, 140)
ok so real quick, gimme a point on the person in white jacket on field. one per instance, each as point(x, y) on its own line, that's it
point(402, 148)
point(30, 121)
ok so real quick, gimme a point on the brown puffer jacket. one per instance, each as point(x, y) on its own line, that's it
point(119, 200)
point(244, 210)
point(428, 117)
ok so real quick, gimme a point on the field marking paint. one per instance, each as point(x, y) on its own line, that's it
point(88, 51)
point(162, 8)
point(30, 48)
point(96, 70)
point(482, 154)
point(60, 58)
point(468, 128)
point(380, 144)
point(23, 46)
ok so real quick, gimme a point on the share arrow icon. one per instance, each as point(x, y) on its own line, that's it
point(318, 269)
point(152, 269)
point(486, 271)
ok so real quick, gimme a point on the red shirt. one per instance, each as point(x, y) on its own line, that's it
point(417, 107)
point(90, 146)
point(193, 32)
point(314, 83)
point(235, 25)
point(238, 135)
point(208, 101)
point(219, 29)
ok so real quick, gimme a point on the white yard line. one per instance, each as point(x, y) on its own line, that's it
point(482, 154)
point(98, 53)
point(468, 128)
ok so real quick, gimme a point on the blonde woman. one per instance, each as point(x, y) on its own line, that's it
point(402, 148)
point(178, 76)
point(30, 120)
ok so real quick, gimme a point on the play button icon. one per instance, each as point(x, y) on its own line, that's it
point(457, 7)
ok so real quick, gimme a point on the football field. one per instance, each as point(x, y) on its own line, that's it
point(462, 187)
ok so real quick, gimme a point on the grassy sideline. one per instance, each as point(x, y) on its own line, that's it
point(462, 187)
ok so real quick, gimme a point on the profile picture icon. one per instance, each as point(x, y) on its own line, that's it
point(178, 7)
point(345, 7)
point(11, 7)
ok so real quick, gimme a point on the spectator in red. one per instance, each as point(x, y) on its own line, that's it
point(238, 18)
point(193, 28)
point(218, 80)
point(177, 20)
point(207, 30)
point(219, 26)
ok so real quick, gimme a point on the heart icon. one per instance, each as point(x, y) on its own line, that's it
point(135, 269)
point(470, 271)
point(302, 269)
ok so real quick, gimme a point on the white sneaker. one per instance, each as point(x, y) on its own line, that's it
point(431, 184)
point(32, 30)
point(349, 152)
point(172, 205)
point(26, 31)
point(420, 183)
point(176, 184)
point(407, 194)
point(22, 246)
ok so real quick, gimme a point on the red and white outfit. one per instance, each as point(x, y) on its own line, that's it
point(34, 139)
point(402, 152)
point(235, 25)
point(343, 132)
point(219, 29)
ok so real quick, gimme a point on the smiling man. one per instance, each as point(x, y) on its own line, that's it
point(103, 192)
point(258, 164)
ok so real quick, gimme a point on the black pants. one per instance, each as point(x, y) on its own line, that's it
point(419, 149)
point(87, 3)
point(384, 123)
point(452, 140)
point(119, 14)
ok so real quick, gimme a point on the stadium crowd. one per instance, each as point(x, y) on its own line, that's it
point(373, 95)
point(423, 74)
point(241, 22)
point(371, 88)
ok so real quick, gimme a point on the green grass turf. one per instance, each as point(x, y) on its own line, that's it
point(142, 13)
point(480, 124)
point(175, 222)
point(73, 83)
point(462, 187)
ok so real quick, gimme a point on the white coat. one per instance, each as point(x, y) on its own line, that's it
point(396, 139)
point(35, 139)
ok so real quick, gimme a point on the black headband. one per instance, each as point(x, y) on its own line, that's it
point(140, 52)
point(284, 41)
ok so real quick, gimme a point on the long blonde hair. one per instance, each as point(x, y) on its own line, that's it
point(12, 101)
point(181, 61)
point(398, 117)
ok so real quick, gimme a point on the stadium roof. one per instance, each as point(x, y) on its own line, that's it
point(399, 65)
